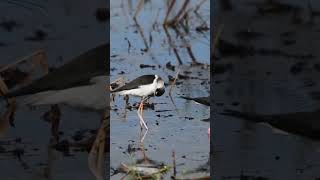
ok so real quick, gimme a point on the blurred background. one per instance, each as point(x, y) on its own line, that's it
point(266, 63)
point(64, 30)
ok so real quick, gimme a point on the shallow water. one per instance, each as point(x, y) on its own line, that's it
point(173, 126)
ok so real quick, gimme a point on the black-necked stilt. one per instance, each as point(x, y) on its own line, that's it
point(145, 87)
point(81, 82)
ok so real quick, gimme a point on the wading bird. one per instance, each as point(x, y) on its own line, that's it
point(145, 86)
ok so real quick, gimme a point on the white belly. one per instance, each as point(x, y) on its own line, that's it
point(143, 91)
point(92, 96)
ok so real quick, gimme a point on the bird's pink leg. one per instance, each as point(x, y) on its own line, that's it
point(139, 109)
point(140, 112)
point(142, 108)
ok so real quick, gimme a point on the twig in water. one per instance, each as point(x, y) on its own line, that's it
point(174, 164)
point(174, 82)
point(170, 43)
point(189, 50)
point(199, 5)
point(96, 158)
point(139, 6)
point(165, 22)
point(141, 34)
point(179, 14)
point(170, 90)
point(129, 44)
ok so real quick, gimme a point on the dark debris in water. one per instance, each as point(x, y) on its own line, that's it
point(147, 66)
point(38, 35)
point(189, 118)
point(170, 115)
point(169, 66)
point(9, 25)
point(206, 120)
point(298, 67)
point(186, 77)
point(165, 110)
point(202, 28)
point(180, 76)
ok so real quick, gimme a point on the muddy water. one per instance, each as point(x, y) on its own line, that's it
point(173, 125)
point(71, 29)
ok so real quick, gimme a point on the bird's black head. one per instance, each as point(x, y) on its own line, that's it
point(159, 91)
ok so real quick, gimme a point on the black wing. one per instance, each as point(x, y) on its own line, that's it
point(142, 80)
